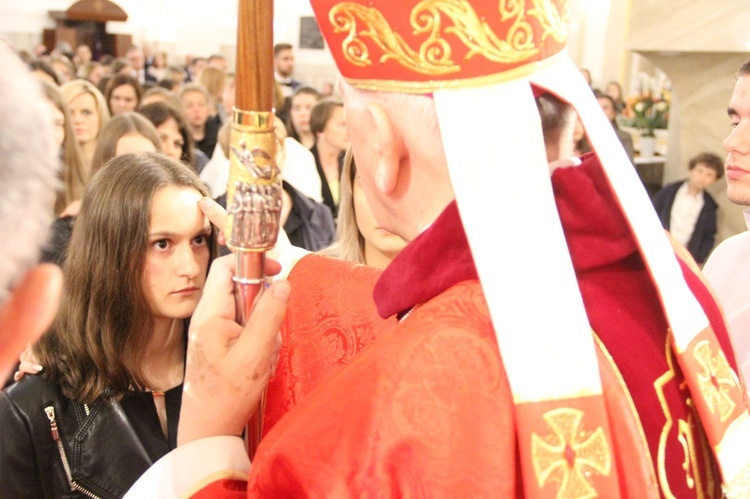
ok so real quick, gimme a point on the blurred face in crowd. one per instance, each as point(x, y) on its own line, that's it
point(302, 104)
point(198, 66)
point(284, 63)
point(227, 96)
point(335, 132)
point(177, 255)
point(133, 143)
point(737, 143)
point(172, 142)
point(701, 176)
point(196, 108)
point(377, 240)
point(123, 99)
point(85, 118)
point(613, 90)
point(608, 108)
point(136, 59)
point(96, 75)
point(83, 54)
point(62, 70)
point(326, 90)
point(58, 123)
point(160, 60)
point(586, 76)
point(219, 63)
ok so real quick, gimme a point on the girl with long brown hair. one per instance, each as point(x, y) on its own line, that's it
point(106, 405)
point(298, 118)
point(123, 94)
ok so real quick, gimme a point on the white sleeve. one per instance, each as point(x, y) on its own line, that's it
point(286, 254)
point(300, 170)
point(190, 467)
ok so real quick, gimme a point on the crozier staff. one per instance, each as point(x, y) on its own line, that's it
point(254, 186)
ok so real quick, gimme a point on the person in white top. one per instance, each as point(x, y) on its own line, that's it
point(687, 211)
point(728, 268)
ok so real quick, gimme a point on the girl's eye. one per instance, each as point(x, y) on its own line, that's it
point(201, 240)
point(161, 244)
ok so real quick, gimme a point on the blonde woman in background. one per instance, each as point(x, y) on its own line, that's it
point(213, 80)
point(159, 65)
point(89, 115)
point(226, 105)
point(124, 134)
point(72, 171)
point(360, 237)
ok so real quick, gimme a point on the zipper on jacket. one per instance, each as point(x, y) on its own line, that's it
point(50, 412)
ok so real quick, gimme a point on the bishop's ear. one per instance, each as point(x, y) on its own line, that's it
point(387, 147)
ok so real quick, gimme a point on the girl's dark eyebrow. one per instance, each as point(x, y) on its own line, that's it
point(166, 234)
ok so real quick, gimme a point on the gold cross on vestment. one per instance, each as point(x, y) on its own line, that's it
point(569, 455)
point(716, 379)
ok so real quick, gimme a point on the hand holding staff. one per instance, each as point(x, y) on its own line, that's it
point(254, 188)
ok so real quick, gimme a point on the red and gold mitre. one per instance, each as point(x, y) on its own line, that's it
point(482, 61)
point(420, 46)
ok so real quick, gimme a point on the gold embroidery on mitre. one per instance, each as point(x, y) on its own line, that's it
point(434, 55)
point(569, 454)
point(716, 380)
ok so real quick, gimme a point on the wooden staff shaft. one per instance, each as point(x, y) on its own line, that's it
point(254, 74)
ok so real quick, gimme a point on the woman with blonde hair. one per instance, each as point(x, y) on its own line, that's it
point(89, 115)
point(124, 134)
point(213, 80)
point(360, 238)
point(72, 171)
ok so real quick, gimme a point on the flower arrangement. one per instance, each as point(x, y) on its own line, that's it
point(649, 109)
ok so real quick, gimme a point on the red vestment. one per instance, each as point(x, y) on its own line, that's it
point(426, 410)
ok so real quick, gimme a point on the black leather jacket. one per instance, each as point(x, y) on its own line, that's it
point(51, 446)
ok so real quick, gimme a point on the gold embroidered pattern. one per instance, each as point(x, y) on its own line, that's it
point(695, 478)
point(568, 454)
point(716, 380)
point(434, 55)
